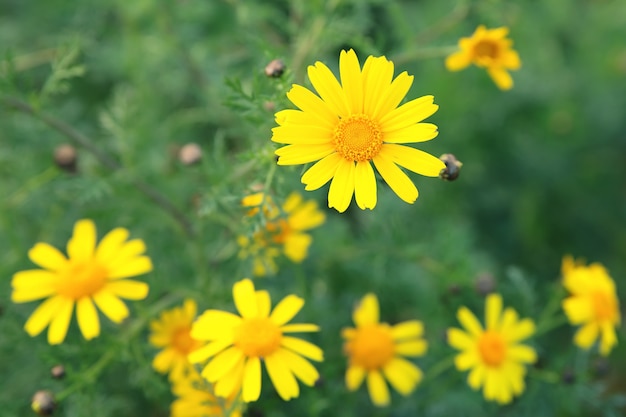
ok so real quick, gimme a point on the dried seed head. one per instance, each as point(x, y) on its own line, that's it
point(275, 68)
point(57, 372)
point(452, 169)
point(43, 403)
point(190, 154)
point(65, 157)
point(485, 284)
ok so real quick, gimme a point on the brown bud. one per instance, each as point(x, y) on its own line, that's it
point(452, 169)
point(65, 157)
point(485, 284)
point(270, 106)
point(275, 68)
point(190, 154)
point(43, 403)
point(58, 372)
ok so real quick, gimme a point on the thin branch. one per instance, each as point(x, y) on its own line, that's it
point(80, 139)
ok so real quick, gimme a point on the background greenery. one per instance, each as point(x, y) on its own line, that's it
point(544, 175)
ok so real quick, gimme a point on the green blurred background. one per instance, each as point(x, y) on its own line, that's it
point(544, 175)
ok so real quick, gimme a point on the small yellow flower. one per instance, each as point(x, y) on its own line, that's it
point(346, 127)
point(90, 274)
point(593, 303)
point(195, 398)
point(375, 351)
point(283, 229)
point(237, 345)
point(171, 331)
point(494, 354)
point(490, 49)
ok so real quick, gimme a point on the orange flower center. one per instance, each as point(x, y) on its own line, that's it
point(258, 337)
point(486, 49)
point(279, 230)
point(492, 348)
point(182, 341)
point(605, 306)
point(358, 138)
point(372, 346)
point(81, 279)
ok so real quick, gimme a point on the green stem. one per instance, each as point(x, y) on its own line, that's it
point(32, 184)
point(544, 375)
point(439, 368)
point(79, 139)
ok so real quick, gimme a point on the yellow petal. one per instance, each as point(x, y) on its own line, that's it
point(231, 382)
point(205, 352)
point(342, 186)
point(476, 377)
point(222, 363)
point(296, 246)
point(328, 88)
point(520, 331)
point(129, 289)
point(393, 95)
point(466, 360)
point(458, 339)
point(305, 216)
point(303, 347)
point(365, 185)
point(469, 322)
point(263, 302)
point(578, 309)
point(43, 314)
point(87, 317)
point(367, 311)
point(608, 338)
point(32, 285)
point(351, 80)
point(377, 78)
point(245, 299)
point(521, 353)
point(302, 135)
point(414, 160)
point(420, 132)
point(136, 266)
point(60, 322)
point(126, 253)
point(403, 376)
point(408, 114)
point(297, 328)
point(47, 257)
point(83, 242)
point(300, 367)
point(500, 77)
point(377, 388)
point(282, 378)
point(111, 306)
point(511, 60)
point(407, 330)
point(411, 348)
point(312, 105)
point(286, 309)
point(354, 377)
point(586, 335)
point(320, 173)
point(493, 310)
point(215, 324)
point(111, 244)
point(397, 180)
point(163, 361)
point(303, 154)
point(458, 61)
point(251, 380)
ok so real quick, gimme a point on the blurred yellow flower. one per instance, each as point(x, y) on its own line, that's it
point(238, 344)
point(195, 398)
point(490, 49)
point(593, 303)
point(171, 331)
point(346, 127)
point(90, 274)
point(494, 354)
point(282, 229)
point(375, 352)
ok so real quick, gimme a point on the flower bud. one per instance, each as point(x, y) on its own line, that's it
point(275, 68)
point(190, 154)
point(65, 157)
point(43, 403)
point(452, 169)
point(58, 372)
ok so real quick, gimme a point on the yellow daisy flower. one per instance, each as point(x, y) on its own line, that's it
point(375, 352)
point(90, 274)
point(494, 354)
point(490, 49)
point(348, 126)
point(237, 345)
point(283, 229)
point(171, 331)
point(195, 398)
point(593, 303)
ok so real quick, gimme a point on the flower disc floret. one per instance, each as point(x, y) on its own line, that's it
point(358, 138)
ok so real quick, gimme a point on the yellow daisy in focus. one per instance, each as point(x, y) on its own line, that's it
point(490, 49)
point(375, 352)
point(282, 229)
point(347, 126)
point(171, 331)
point(494, 354)
point(593, 303)
point(91, 276)
point(195, 398)
point(238, 344)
